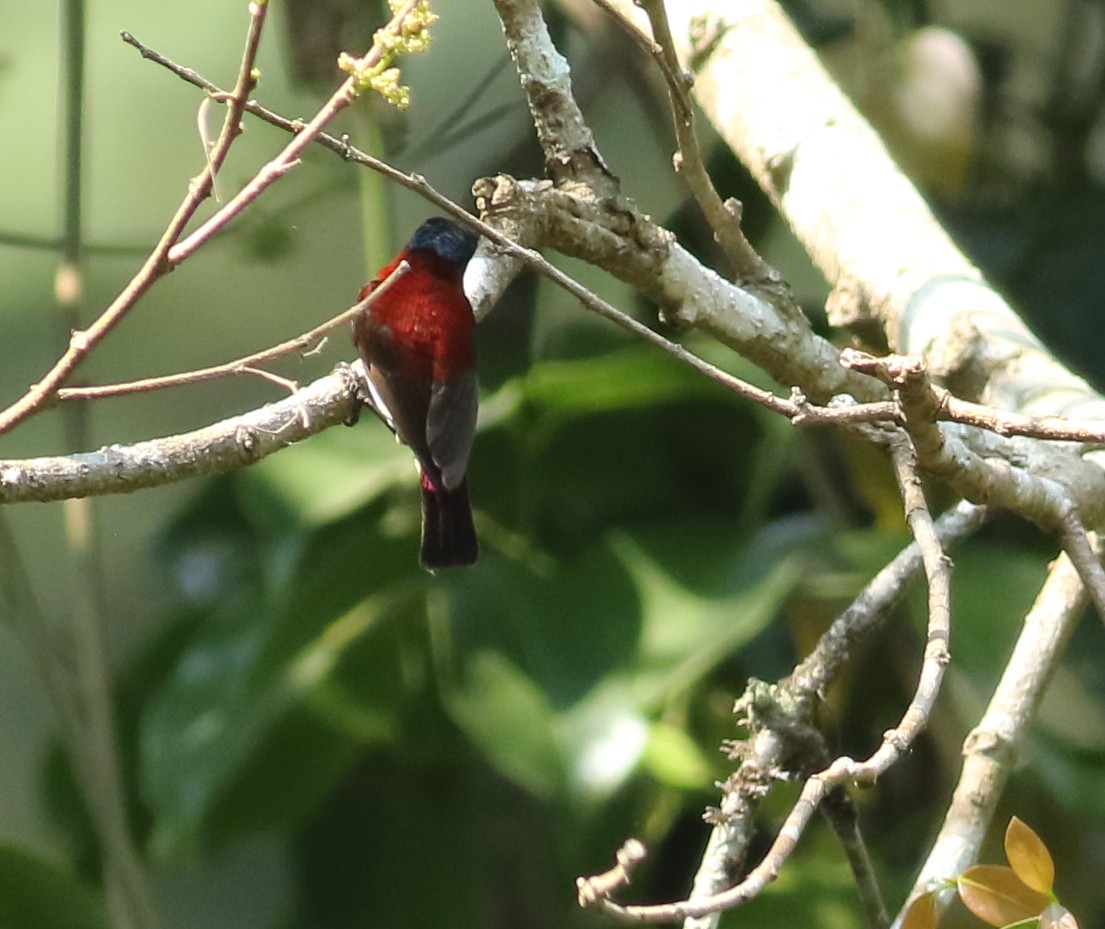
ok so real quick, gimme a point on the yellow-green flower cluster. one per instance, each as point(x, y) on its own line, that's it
point(383, 77)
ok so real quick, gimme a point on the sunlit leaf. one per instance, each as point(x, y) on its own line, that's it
point(997, 896)
point(335, 472)
point(635, 377)
point(697, 608)
point(609, 638)
point(511, 721)
point(1029, 857)
point(921, 912)
point(697, 604)
point(673, 758)
point(605, 738)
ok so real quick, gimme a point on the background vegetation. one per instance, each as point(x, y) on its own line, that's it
point(315, 731)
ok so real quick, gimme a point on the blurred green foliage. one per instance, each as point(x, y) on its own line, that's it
point(319, 733)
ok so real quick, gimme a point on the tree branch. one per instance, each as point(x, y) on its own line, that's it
point(223, 446)
point(991, 748)
point(884, 248)
point(766, 750)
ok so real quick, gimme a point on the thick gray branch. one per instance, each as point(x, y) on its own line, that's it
point(861, 220)
point(224, 446)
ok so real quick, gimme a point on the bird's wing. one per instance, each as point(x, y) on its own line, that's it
point(451, 426)
point(402, 402)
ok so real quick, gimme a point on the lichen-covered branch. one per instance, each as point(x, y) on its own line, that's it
point(223, 446)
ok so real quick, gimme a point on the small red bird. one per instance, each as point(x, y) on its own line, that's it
point(417, 342)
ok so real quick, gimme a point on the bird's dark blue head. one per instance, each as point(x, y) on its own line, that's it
point(445, 239)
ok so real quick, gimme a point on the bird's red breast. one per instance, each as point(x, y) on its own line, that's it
point(427, 315)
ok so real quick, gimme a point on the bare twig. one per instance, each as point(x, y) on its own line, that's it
point(990, 750)
point(937, 655)
point(600, 886)
point(723, 217)
point(244, 365)
point(844, 771)
point(765, 752)
point(1081, 548)
point(816, 358)
point(288, 158)
point(172, 250)
point(836, 647)
point(909, 373)
point(840, 810)
point(1033, 479)
point(156, 264)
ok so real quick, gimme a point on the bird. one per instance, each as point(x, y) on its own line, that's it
point(417, 342)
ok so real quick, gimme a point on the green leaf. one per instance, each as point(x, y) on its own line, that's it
point(257, 723)
point(336, 472)
point(565, 625)
point(698, 605)
point(608, 640)
point(37, 895)
point(673, 758)
point(636, 377)
point(510, 720)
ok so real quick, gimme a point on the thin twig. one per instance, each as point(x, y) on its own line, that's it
point(796, 408)
point(156, 264)
point(723, 217)
point(244, 365)
point(590, 890)
point(844, 771)
point(836, 647)
point(1080, 548)
point(937, 655)
point(764, 754)
point(1040, 483)
point(288, 158)
point(990, 750)
point(840, 811)
point(821, 361)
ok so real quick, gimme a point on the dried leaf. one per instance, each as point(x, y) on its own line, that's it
point(921, 912)
point(1029, 857)
point(997, 896)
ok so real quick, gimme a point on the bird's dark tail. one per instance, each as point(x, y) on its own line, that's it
point(448, 536)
